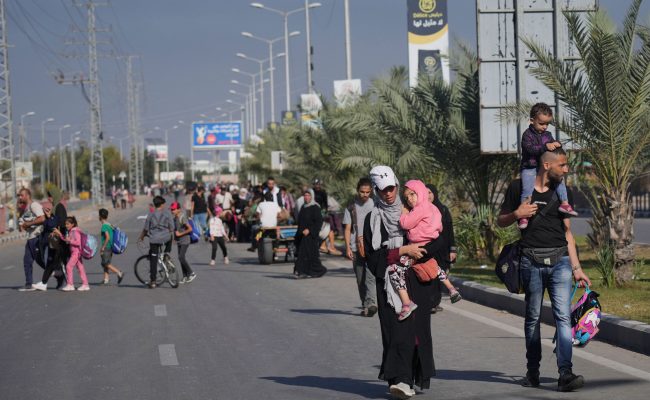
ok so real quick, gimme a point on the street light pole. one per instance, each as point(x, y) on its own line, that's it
point(44, 151)
point(22, 134)
point(348, 50)
point(261, 63)
point(62, 182)
point(73, 166)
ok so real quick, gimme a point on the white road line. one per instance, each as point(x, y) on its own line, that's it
point(602, 361)
point(7, 268)
point(167, 355)
point(160, 310)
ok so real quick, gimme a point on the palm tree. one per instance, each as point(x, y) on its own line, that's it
point(606, 97)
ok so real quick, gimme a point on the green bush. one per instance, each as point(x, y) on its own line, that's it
point(478, 236)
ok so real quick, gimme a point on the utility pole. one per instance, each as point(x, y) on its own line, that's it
point(96, 135)
point(6, 122)
point(348, 51)
point(140, 140)
point(134, 159)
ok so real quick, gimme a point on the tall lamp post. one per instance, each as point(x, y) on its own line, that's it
point(261, 63)
point(285, 16)
point(248, 126)
point(23, 134)
point(73, 164)
point(253, 97)
point(271, 68)
point(62, 180)
point(44, 151)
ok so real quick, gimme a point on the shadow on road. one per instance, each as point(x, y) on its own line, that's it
point(357, 387)
point(481, 376)
point(324, 311)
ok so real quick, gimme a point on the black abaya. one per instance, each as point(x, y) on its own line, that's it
point(308, 261)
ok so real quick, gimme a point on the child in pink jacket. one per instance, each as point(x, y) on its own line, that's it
point(423, 223)
point(73, 238)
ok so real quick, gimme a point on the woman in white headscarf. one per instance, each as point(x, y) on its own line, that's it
point(308, 264)
point(407, 357)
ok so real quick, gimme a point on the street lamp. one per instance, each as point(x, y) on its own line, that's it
point(44, 149)
point(253, 97)
point(22, 134)
point(73, 164)
point(261, 63)
point(120, 140)
point(285, 15)
point(62, 180)
point(271, 68)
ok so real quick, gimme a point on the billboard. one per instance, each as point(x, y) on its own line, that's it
point(216, 135)
point(310, 106)
point(427, 31)
point(172, 176)
point(347, 92)
point(157, 148)
point(24, 171)
point(289, 117)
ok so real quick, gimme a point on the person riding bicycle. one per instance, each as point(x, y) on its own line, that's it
point(159, 226)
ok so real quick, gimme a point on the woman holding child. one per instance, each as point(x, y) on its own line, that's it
point(407, 346)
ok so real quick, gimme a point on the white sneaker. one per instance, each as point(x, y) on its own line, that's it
point(212, 262)
point(83, 288)
point(68, 288)
point(401, 391)
point(226, 260)
point(39, 286)
point(191, 278)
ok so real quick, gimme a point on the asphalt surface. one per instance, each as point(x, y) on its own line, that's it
point(580, 226)
point(247, 331)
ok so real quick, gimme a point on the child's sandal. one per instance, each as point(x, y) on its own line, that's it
point(407, 309)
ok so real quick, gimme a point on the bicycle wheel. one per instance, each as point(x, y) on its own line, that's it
point(141, 268)
point(172, 274)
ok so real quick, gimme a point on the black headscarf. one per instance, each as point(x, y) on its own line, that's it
point(436, 198)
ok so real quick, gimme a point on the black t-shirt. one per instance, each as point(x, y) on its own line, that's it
point(199, 204)
point(549, 231)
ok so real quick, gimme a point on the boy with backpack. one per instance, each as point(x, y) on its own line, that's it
point(106, 250)
point(159, 226)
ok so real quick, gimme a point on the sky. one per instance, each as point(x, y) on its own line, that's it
point(186, 50)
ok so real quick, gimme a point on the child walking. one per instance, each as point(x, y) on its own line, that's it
point(534, 142)
point(106, 250)
point(423, 223)
point(73, 238)
point(182, 230)
point(218, 237)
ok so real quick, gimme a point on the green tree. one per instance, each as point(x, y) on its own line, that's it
point(606, 98)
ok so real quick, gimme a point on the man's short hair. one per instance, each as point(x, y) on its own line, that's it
point(103, 213)
point(158, 201)
point(270, 178)
point(540, 108)
point(552, 155)
point(268, 196)
point(364, 182)
point(29, 192)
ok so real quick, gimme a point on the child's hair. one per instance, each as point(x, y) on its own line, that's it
point(103, 213)
point(72, 220)
point(364, 182)
point(158, 201)
point(540, 108)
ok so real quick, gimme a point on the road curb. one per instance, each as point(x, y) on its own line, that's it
point(12, 237)
point(620, 332)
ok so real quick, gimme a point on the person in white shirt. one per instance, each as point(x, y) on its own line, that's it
point(218, 237)
point(269, 211)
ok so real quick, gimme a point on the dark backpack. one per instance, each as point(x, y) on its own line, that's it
point(507, 268)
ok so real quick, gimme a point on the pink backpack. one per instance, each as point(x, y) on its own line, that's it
point(585, 316)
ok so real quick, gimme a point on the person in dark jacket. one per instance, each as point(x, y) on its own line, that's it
point(407, 357)
point(449, 252)
point(308, 264)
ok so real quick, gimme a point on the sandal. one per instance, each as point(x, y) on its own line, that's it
point(407, 309)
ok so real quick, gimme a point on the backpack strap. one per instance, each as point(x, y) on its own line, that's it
point(553, 203)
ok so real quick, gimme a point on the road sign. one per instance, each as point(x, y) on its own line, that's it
point(216, 135)
point(122, 175)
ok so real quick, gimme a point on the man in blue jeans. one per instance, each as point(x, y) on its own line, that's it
point(549, 261)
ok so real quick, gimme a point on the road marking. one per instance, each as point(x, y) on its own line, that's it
point(7, 268)
point(167, 354)
point(142, 217)
point(160, 310)
point(602, 361)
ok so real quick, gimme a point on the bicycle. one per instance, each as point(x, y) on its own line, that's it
point(167, 271)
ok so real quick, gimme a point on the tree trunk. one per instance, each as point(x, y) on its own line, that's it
point(613, 224)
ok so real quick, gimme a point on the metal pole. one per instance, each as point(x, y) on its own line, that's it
point(73, 168)
point(348, 50)
point(167, 159)
point(286, 60)
point(192, 154)
point(261, 94)
point(309, 82)
point(272, 72)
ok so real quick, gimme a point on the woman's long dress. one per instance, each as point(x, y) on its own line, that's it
point(308, 262)
point(407, 346)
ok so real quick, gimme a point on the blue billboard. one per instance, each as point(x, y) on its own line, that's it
point(214, 135)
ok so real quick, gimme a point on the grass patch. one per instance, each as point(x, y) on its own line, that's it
point(631, 301)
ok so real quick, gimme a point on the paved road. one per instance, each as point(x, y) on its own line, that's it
point(246, 331)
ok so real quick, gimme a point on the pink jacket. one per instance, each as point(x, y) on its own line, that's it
point(424, 222)
point(74, 239)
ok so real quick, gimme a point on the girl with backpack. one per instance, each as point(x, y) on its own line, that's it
point(73, 238)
